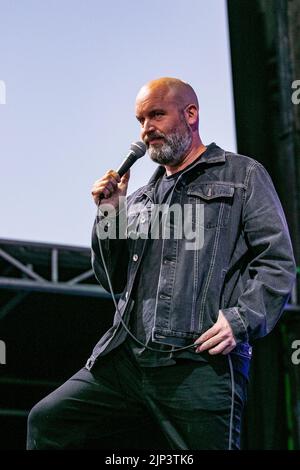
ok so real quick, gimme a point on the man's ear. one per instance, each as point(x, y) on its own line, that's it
point(192, 115)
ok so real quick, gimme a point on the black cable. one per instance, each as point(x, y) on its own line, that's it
point(172, 350)
point(232, 401)
point(117, 309)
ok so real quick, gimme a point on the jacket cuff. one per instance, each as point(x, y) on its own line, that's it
point(237, 324)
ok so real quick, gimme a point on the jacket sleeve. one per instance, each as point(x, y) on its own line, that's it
point(271, 268)
point(110, 232)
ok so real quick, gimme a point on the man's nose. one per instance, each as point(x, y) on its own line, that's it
point(148, 127)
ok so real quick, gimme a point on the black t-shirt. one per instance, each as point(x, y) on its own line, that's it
point(145, 290)
point(145, 293)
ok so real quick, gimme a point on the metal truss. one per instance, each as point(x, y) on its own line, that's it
point(20, 263)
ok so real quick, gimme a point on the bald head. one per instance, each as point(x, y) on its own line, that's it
point(167, 110)
point(172, 89)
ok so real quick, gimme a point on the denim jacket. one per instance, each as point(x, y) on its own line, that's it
point(244, 264)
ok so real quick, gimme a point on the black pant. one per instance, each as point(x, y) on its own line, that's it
point(190, 403)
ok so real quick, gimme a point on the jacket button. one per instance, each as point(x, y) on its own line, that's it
point(135, 257)
point(164, 297)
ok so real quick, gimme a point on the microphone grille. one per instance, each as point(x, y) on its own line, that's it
point(139, 148)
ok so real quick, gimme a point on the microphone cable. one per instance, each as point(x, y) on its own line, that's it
point(231, 372)
point(192, 345)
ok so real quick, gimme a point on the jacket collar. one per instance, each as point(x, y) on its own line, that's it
point(212, 154)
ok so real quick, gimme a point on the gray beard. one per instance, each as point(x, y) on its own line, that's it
point(173, 150)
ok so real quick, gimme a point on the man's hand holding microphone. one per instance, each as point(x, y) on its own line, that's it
point(109, 188)
point(113, 184)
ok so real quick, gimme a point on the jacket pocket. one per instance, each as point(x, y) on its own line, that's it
point(217, 199)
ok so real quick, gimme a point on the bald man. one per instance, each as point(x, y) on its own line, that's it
point(203, 261)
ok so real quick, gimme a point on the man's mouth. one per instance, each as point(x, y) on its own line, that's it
point(155, 140)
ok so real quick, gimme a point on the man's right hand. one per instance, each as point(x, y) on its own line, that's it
point(112, 187)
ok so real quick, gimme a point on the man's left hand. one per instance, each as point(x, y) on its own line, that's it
point(218, 339)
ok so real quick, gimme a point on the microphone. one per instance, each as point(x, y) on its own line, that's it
point(137, 150)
